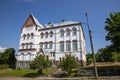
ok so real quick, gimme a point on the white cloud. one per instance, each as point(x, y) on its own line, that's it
point(2, 49)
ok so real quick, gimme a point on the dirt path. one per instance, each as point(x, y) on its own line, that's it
point(50, 78)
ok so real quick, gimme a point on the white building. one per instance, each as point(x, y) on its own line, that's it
point(52, 40)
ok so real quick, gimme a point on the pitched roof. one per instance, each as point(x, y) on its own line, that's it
point(36, 21)
point(32, 20)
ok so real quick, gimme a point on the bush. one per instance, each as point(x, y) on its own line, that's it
point(3, 66)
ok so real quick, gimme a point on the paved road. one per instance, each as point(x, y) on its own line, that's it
point(50, 78)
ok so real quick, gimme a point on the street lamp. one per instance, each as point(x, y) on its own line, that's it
point(92, 49)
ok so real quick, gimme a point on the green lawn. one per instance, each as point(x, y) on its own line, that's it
point(23, 73)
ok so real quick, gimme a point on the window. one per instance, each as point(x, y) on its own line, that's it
point(26, 45)
point(68, 46)
point(50, 45)
point(74, 44)
point(41, 45)
point(23, 46)
point(28, 36)
point(31, 45)
point(51, 34)
point(61, 33)
point(46, 45)
point(41, 35)
point(46, 35)
point(68, 32)
point(24, 36)
point(32, 35)
point(61, 46)
point(74, 31)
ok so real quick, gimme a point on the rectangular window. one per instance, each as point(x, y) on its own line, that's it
point(61, 46)
point(68, 47)
point(74, 45)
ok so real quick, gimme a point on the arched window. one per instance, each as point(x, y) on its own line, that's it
point(24, 36)
point(23, 46)
point(68, 46)
point(46, 45)
point(26, 45)
point(28, 35)
point(61, 33)
point(32, 35)
point(51, 34)
point(41, 45)
point(62, 46)
point(46, 35)
point(74, 31)
point(74, 45)
point(31, 45)
point(50, 44)
point(41, 35)
point(67, 32)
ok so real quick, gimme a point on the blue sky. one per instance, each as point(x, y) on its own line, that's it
point(13, 14)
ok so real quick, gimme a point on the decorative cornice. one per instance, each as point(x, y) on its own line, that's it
point(33, 49)
point(60, 26)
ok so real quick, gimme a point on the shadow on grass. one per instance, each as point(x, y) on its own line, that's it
point(32, 75)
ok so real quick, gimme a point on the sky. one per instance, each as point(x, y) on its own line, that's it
point(13, 14)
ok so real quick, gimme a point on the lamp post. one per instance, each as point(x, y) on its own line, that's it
point(92, 49)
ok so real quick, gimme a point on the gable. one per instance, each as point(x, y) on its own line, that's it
point(29, 22)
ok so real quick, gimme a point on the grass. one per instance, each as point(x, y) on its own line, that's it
point(24, 73)
point(15, 73)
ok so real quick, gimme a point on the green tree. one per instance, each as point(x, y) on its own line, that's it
point(113, 29)
point(40, 63)
point(89, 58)
point(68, 63)
point(115, 56)
point(8, 57)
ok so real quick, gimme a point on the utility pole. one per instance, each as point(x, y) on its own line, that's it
point(92, 49)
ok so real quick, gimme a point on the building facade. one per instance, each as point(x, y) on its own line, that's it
point(51, 40)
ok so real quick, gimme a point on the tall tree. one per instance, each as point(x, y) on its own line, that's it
point(113, 29)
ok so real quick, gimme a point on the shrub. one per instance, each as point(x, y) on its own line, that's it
point(3, 66)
